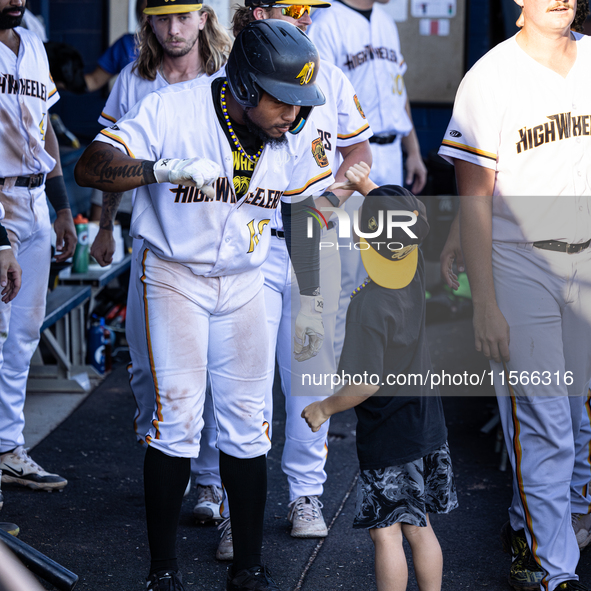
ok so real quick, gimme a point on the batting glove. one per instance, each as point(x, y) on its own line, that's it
point(190, 172)
point(308, 324)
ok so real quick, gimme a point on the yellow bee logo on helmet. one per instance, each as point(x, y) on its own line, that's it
point(306, 74)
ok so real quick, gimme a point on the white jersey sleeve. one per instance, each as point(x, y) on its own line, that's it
point(311, 172)
point(139, 133)
point(117, 103)
point(352, 124)
point(473, 133)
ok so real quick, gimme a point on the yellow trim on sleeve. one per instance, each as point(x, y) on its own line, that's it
point(52, 93)
point(354, 134)
point(469, 149)
point(308, 184)
point(118, 140)
point(108, 117)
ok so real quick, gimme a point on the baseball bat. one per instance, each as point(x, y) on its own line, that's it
point(41, 565)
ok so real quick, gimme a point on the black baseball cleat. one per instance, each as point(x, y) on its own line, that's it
point(525, 574)
point(165, 580)
point(256, 578)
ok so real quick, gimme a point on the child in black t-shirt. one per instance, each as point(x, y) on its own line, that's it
point(401, 434)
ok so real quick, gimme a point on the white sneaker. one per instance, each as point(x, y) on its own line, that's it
point(306, 517)
point(225, 549)
point(582, 526)
point(18, 467)
point(209, 499)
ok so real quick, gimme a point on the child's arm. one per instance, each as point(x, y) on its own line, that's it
point(347, 397)
point(357, 180)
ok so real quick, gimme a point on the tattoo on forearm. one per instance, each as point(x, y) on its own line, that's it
point(99, 166)
point(111, 203)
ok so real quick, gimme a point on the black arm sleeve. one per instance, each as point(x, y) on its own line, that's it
point(55, 189)
point(4, 236)
point(304, 251)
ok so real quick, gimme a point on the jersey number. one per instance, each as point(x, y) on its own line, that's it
point(398, 87)
point(42, 127)
point(325, 137)
point(254, 235)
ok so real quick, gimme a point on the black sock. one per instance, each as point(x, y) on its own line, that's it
point(245, 482)
point(165, 480)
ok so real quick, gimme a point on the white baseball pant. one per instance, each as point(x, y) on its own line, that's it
point(545, 297)
point(29, 230)
point(304, 453)
point(205, 467)
point(196, 325)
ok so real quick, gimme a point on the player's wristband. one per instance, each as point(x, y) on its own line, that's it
point(334, 200)
point(4, 237)
point(55, 189)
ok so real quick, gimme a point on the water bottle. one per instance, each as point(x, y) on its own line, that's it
point(99, 347)
point(81, 253)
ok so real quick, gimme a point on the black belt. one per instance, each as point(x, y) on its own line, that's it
point(562, 246)
point(382, 139)
point(281, 233)
point(33, 181)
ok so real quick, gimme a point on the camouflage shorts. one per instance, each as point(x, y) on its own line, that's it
point(406, 493)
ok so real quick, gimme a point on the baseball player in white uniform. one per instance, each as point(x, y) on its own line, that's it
point(29, 171)
point(360, 38)
point(206, 48)
point(202, 288)
point(523, 177)
point(343, 131)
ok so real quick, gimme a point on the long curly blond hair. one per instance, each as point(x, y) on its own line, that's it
point(214, 47)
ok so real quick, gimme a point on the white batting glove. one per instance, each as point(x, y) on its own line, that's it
point(190, 172)
point(308, 324)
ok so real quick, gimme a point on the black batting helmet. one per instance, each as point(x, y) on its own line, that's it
point(275, 57)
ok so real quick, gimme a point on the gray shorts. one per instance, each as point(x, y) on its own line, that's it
point(406, 493)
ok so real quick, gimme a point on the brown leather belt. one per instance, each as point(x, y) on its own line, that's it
point(33, 181)
point(562, 246)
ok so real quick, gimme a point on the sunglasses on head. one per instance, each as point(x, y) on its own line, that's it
point(296, 11)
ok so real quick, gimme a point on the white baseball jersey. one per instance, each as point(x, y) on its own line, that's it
point(368, 52)
point(26, 94)
point(222, 236)
point(533, 128)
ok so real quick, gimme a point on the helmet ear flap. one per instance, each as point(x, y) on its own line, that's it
point(300, 121)
point(246, 92)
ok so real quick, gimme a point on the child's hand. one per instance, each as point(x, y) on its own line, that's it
point(357, 180)
point(314, 416)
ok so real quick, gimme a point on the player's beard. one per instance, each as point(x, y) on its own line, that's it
point(261, 134)
point(7, 21)
point(180, 51)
